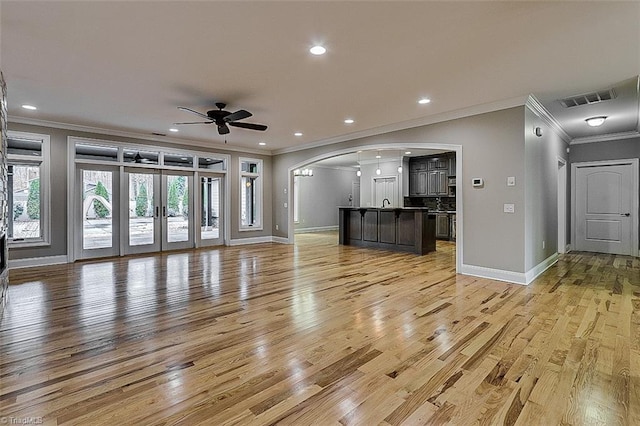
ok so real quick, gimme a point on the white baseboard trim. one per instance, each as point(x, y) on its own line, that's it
point(316, 229)
point(258, 240)
point(37, 261)
point(280, 240)
point(534, 272)
point(494, 274)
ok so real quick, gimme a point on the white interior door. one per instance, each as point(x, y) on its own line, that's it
point(604, 209)
point(384, 188)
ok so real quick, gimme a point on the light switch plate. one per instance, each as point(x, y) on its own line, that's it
point(509, 208)
point(511, 181)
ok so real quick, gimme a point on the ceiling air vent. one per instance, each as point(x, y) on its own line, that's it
point(589, 98)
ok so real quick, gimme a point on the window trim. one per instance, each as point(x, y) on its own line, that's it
point(259, 189)
point(45, 187)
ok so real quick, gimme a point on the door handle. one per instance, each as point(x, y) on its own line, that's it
point(157, 211)
point(164, 211)
point(625, 214)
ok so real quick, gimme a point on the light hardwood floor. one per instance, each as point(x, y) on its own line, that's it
point(320, 334)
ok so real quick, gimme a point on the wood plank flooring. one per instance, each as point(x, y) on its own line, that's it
point(319, 334)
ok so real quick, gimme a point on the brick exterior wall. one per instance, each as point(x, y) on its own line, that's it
point(4, 273)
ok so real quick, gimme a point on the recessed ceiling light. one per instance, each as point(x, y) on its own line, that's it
point(407, 152)
point(262, 143)
point(378, 156)
point(595, 121)
point(318, 50)
point(297, 134)
point(29, 107)
point(424, 101)
point(173, 130)
point(349, 121)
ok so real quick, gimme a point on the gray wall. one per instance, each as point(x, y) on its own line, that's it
point(609, 150)
point(59, 212)
point(541, 189)
point(493, 148)
point(320, 196)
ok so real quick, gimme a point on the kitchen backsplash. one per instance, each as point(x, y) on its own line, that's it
point(446, 203)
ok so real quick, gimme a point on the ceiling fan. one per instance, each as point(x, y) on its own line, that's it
point(222, 118)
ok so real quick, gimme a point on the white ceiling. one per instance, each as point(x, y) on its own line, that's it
point(127, 66)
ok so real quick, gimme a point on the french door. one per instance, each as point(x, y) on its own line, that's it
point(98, 203)
point(152, 210)
point(176, 210)
point(142, 211)
point(159, 212)
point(211, 196)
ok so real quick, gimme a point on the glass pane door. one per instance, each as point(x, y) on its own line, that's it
point(177, 210)
point(211, 210)
point(98, 205)
point(143, 211)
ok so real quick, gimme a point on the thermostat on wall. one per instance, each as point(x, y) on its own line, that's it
point(477, 182)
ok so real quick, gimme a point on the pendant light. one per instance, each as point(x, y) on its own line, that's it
point(378, 171)
point(399, 161)
point(358, 173)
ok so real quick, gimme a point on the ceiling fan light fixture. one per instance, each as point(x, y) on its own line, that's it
point(596, 121)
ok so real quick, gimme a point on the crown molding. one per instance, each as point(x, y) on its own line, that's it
point(125, 134)
point(538, 109)
point(403, 125)
point(607, 137)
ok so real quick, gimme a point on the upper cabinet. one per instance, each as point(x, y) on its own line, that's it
point(430, 176)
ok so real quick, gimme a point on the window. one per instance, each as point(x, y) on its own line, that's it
point(28, 189)
point(250, 194)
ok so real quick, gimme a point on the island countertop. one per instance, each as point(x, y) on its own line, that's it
point(410, 229)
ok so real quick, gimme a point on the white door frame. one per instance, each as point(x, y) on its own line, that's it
point(562, 205)
point(634, 204)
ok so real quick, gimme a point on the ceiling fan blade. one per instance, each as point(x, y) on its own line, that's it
point(196, 122)
point(238, 115)
point(251, 126)
point(223, 130)
point(194, 112)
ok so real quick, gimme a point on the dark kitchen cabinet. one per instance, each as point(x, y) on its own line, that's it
point(442, 226)
point(438, 183)
point(418, 183)
point(430, 175)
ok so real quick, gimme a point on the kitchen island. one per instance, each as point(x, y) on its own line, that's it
point(409, 229)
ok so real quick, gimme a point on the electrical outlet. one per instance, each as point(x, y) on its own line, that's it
point(511, 181)
point(509, 208)
point(277, 228)
point(285, 205)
